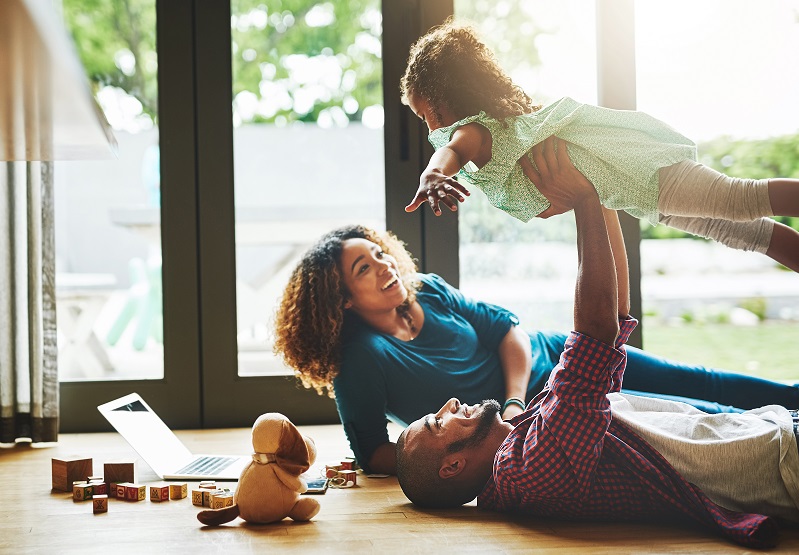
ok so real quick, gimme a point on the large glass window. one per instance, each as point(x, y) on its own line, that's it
point(549, 49)
point(722, 73)
point(108, 263)
point(308, 144)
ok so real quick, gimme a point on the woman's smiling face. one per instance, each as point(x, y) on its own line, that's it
point(370, 277)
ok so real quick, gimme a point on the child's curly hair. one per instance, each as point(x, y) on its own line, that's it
point(311, 315)
point(450, 66)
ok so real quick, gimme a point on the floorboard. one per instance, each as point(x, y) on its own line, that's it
point(372, 517)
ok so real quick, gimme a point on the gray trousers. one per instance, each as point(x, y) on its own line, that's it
point(698, 199)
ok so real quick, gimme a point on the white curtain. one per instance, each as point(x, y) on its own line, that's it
point(28, 351)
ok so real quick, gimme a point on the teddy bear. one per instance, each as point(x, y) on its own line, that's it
point(270, 486)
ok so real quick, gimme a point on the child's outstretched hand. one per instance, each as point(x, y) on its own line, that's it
point(437, 188)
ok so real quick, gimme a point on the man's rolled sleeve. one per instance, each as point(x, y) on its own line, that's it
point(626, 327)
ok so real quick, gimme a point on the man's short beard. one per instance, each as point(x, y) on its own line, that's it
point(491, 409)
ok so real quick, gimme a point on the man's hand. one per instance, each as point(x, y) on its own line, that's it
point(437, 188)
point(556, 177)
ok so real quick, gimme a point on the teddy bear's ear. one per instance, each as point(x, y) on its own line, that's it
point(292, 454)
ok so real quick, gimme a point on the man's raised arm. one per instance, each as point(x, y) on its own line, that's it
point(596, 293)
point(596, 297)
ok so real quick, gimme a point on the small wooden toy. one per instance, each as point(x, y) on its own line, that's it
point(349, 476)
point(122, 471)
point(222, 501)
point(178, 491)
point(112, 489)
point(332, 469)
point(100, 504)
point(99, 487)
point(159, 493)
point(135, 492)
point(68, 470)
point(347, 464)
point(207, 484)
point(121, 489)
point(197, 497)
point(208, 495)
point(82, 491)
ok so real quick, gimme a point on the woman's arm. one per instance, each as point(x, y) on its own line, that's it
point(515, 356)
point(384, 459)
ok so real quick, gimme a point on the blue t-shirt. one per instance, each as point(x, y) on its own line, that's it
point(454, 355)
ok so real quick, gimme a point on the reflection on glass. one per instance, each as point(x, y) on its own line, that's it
point(721, 78)
point(308, 144)
point(549, 50)
point(108, 263)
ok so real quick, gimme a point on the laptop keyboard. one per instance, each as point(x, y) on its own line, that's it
point(206, 466)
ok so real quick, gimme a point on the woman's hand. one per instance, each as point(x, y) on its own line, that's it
point(511, 411)
point(556, 177)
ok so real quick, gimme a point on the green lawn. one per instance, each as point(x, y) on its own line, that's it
point(770, 350)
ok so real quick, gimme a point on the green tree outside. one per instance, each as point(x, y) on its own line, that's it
point(280, 48)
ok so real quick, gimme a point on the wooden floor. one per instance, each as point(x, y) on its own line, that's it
point(373, 517)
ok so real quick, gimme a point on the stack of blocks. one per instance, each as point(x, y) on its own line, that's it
point(342, 472)
point(209, 495)
point(75, 475)
point(115, 473)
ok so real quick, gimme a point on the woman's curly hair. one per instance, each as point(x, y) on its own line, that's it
point(451, 67)
point(311, 316)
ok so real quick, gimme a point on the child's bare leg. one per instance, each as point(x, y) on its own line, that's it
point(784, 246)
point(784, 196)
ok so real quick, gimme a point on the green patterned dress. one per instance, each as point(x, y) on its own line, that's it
point(619, 151)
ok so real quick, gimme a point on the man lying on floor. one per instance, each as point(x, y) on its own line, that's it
point(583, 451)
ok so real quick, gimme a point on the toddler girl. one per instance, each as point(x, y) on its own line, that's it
point(483, 126)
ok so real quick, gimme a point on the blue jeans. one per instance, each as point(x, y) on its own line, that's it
point(707, 389)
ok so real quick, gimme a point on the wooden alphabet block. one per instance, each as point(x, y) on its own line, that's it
point(135, 492)
point(178, 491)
point(122, 471)
point(100, 504)
point(82, 491)
point(121, 490)
point(159, 493)
point(100, 487)
point(68, 470)
point(332, 469)
point(349, 476)
point(222, 500)
point(207, 484)
point(197, 497)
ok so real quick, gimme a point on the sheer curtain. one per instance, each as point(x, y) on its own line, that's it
point(28, 350)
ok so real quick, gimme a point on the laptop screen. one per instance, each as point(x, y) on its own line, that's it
point(155, 443)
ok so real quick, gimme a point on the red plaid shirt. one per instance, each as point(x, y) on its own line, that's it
point(567, 458)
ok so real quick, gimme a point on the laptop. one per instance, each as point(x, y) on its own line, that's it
point(160, 448)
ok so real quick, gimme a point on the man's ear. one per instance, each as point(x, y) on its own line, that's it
point(452, 466)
